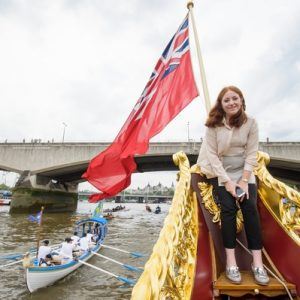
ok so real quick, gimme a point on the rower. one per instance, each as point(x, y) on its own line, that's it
point(84, 242)
point(47, 262)
point(158, 209)
point(75, 238)
point(43, 250)
point(90, 236)
point(66, 251)
point(96, 229)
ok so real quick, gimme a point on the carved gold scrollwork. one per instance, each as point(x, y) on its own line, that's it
point(210, 204)
point(282, 200)
point(169, 272)
point(214, 209)
point(290, 217)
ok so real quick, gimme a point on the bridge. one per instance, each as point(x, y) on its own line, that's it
point(58, 167)
point(139, 198)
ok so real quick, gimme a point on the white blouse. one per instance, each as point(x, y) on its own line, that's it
point(227, 151)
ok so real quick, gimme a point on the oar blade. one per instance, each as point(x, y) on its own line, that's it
point(137, 254)
point(11, 256)
point(132, 268)
point(126, 280)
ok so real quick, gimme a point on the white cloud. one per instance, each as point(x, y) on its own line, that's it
point(85, 63)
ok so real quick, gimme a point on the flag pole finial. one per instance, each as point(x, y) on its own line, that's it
point(190, 4)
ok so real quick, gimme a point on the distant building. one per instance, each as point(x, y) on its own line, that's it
point(159, 193)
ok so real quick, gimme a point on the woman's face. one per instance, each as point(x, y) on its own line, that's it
point(231, 103)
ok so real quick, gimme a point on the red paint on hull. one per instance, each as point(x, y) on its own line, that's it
point(282, 249)
point(202, 289)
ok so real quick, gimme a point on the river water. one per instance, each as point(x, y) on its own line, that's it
point(135, 230)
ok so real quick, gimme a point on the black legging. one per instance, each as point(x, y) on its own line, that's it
point(228, 217)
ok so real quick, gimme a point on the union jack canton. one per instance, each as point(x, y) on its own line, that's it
point(168, 62)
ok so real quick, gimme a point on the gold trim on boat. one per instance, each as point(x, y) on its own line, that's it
point(282, 201)
point(210, 204)
point(170, 271)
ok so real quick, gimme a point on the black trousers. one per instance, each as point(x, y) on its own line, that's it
point(228, 216)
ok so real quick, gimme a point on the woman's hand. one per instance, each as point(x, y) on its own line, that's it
point(230, 187)
point(244, 186)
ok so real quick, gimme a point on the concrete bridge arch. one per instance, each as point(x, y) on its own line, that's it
point(55, 169)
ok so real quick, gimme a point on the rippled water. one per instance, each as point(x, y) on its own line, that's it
point(133, 230)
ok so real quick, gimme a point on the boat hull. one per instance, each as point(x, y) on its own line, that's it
point(5, 201)
point(280, 246)
point(203, 275)
point(40, 277)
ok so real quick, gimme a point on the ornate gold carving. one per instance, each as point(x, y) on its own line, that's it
point(290, 217)
point(264, 176)
point(210, 204)
point(196, 169)
point(280, 199)
point(169, 272)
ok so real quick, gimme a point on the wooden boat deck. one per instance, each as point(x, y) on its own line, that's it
point(223, 286)
point(248, 286)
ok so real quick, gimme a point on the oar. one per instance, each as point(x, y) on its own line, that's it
point(134, 254)
point(16, 262)
point(121, 278)
point(12, 256)
point(6, 244)
point(128, 267)
point(12, 263)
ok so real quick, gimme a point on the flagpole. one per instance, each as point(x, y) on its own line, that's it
point(190, 6)
point(39, 233)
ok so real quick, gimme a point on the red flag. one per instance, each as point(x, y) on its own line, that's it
point(170, 89)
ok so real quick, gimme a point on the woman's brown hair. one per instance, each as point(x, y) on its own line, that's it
point(216, 114)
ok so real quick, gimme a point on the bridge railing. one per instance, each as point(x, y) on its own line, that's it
point(169, 272)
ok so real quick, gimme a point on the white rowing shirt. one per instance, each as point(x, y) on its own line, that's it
point(66, 250)
point(84, 243)
point(89, 237)
point(43, 251)
point(75, 239)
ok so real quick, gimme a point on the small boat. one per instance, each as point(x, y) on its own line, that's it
point(157, 210)
point(108, 216)
point(39, 277)
point(114, 209)
point(4, 201)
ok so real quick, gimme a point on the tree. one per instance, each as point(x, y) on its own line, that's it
point(4, 187)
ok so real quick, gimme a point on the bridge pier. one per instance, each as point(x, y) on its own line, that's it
point(33, 191)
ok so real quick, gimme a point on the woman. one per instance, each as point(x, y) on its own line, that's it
point(227, 157)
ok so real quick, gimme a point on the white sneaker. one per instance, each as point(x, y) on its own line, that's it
point(260, 275)
point(233, 274)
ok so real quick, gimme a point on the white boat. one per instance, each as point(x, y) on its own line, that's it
point(40, 277)
point(5, 201)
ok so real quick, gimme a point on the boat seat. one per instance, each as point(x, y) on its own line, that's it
point(222, 286)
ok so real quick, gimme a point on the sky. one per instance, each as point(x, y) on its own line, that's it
point(85, 63)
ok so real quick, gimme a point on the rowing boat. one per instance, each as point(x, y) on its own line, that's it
point(5, 201)
point(40, 277)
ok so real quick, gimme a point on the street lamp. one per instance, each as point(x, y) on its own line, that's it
point(188, 136)
point(63, 137)
point(188, 131)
